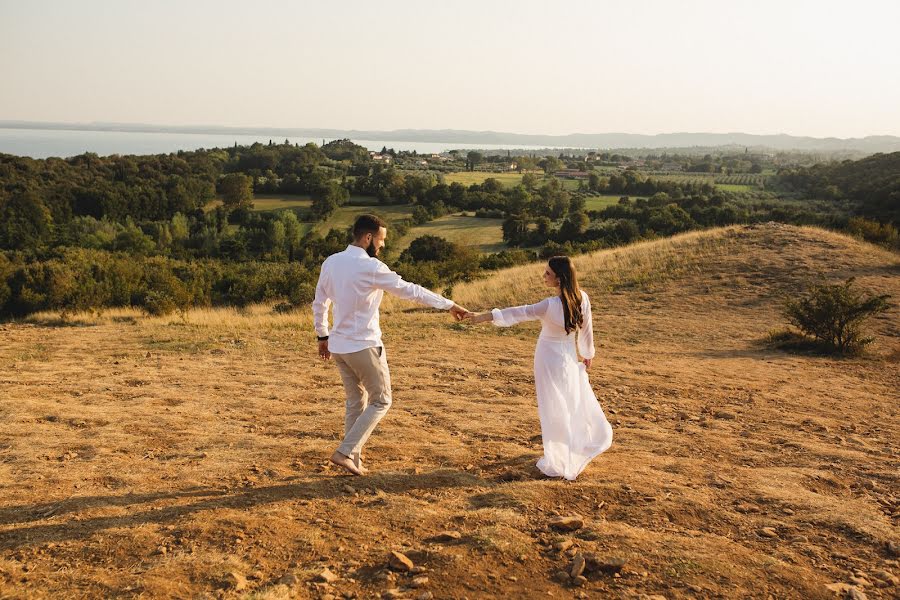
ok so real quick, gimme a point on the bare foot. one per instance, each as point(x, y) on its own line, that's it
point(344, 461)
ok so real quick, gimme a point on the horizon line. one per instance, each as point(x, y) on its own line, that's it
point(93, 125)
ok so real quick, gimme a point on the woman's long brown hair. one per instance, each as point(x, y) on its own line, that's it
point(569, 292)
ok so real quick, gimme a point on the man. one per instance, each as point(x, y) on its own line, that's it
point(354, 281)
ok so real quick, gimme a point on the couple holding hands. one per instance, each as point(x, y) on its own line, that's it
point(573, 427)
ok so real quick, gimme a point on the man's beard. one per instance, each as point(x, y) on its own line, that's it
point(371, 250)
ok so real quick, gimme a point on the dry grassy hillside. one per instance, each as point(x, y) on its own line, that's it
point(185, 457)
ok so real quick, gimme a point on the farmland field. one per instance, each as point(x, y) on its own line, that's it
point(735, 187)
point(483, 235)
point(344, 216)
point(601, 202)
point(467, 178)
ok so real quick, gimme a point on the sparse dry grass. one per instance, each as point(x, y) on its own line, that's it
point(152, 456)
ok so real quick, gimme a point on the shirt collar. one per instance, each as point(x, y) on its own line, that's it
point(357, 251)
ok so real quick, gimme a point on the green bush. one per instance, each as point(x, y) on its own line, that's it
point(834, 314)
point(158, 304)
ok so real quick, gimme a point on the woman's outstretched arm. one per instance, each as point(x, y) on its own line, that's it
point(515, 314)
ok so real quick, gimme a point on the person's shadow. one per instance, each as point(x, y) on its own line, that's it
point(202, 499)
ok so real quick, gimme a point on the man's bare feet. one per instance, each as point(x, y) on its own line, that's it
point(344, 461)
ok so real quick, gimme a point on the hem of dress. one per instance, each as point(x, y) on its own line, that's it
point(598, 450)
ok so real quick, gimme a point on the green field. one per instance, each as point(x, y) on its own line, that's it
point(267, 202)
point(344, 216)
point(601, 202)
point(483, 235)
point(735, 187)
point(467, 178)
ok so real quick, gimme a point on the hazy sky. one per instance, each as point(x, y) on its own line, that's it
point(817, 68)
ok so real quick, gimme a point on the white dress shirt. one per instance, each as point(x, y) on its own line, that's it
point(354, 283)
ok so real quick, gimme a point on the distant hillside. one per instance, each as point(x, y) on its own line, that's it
point(869, 144)
point(873, 183)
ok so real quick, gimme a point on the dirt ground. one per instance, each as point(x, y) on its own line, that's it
point(186, 456)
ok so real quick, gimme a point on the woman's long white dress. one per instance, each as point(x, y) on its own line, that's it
point(573, 426)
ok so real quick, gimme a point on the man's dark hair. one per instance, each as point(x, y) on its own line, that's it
point(367, 224)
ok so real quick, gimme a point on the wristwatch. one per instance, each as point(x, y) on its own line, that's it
point(322, 338)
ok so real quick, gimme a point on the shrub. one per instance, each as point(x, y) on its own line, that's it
point(159, 304)
point(834, 315)
point(283, 308)
point(302, 294)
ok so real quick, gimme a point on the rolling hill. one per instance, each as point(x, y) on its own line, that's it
point(186, 456)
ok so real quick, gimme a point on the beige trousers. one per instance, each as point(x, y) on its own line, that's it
point(367, 385)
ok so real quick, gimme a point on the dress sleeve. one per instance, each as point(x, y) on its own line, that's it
point(519, 314)
point(385, 279)
point(586, 331)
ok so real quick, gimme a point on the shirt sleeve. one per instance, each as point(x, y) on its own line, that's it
point(321, 303)
point(389, 281)
point(518, 314)
point(586, 331)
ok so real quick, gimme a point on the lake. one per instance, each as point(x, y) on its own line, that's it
point(42, 143)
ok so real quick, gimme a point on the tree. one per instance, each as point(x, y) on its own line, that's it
point(550, 164)
point(24, 221)
point(428, 248)
point(574, 226)
point(515, 230)
point(530, 181)
point(237, 191)
point(292, 232)
point(327, 198)
point(473, 158)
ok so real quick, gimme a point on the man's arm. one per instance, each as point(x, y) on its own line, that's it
point(320, 314)
point(385, 279)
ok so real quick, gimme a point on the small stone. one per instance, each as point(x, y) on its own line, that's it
point(162, 550)
point(860, 581)
point(288, 579)
point(417, 570)
point(447, 536)
point(572, 523)
point(327, 597)
point(418, 582)
point(561, 577)
point(234, 581)
point(768, 532)
point(611, 566)
point(563, 545)
point(392, 594)
point(893, 548)
point(326, 576)
point(579, 581)
point(425, 596)
point(589, 535)
point(349, 489)
point(799, 539)
point(400, 562)
point(724, 414)
point(578, 565)
point(787, 511)
point(885, 577)
point(512, 578)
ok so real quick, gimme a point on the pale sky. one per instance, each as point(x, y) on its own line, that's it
point(818, 68)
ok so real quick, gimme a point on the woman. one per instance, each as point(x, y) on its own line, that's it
point(573, 426)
